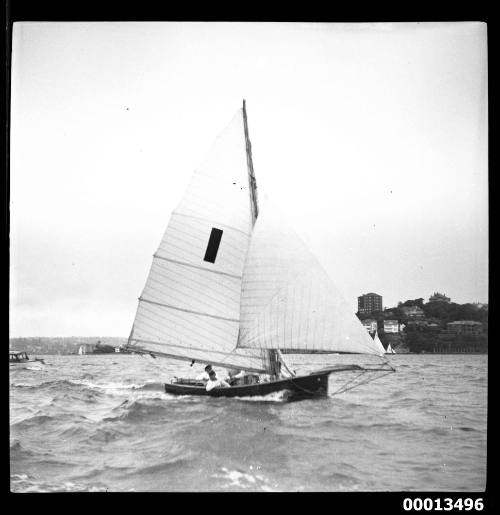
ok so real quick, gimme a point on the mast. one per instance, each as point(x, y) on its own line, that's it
point(251, 176)
point(273, 355)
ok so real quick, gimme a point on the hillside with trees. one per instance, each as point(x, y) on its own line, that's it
point(430, 332)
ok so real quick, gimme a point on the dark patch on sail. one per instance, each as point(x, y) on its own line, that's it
point(213, 245)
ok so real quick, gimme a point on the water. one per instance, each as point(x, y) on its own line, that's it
point(103, 423)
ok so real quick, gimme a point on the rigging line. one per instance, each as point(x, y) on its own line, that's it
point(156, 255)
point(369, 380)
point(349, 382)
point(343, 388)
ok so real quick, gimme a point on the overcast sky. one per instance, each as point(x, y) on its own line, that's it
point(372, 139)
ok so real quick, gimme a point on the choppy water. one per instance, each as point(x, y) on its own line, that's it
point(97, 423)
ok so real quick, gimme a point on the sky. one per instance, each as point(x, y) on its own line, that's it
point(371, 138)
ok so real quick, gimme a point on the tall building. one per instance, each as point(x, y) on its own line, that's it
point(439, 297)
point(369, 302)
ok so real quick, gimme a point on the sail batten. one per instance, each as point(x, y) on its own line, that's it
point(199, 267)
point(204, 314)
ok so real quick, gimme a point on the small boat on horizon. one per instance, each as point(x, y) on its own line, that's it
point(20, 359)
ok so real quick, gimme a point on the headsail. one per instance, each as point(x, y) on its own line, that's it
point(190, 305)
point(288, 300)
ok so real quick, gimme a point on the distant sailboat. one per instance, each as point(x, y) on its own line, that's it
point(82, 350)
point(378, 343)
point(390, 350)
point(233, 287)
point(376, 339)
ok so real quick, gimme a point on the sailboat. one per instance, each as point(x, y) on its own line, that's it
point(390, 350)
point(385, 350)
point(231, 285)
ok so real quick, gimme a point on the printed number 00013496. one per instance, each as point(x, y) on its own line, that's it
point(446, 504)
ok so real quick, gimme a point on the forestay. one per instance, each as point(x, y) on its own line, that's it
point(288, 300)
point(190, 305)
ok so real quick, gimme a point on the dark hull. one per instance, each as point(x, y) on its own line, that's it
point(300, 387)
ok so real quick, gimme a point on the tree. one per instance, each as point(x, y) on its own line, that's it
point(414, 302)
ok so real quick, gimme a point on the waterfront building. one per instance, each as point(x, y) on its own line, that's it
point(465, 327)
point(391, 326)
point(439, 297)
point(369, 302)
point(413, 312)
point(370, 324)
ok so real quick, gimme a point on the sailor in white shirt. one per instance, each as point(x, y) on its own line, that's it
point(215, 382)
point(204, 375)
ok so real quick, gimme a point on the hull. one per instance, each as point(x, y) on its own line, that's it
point(26, 364)
point(314, 385)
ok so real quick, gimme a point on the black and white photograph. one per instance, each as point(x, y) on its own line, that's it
point(249, 257)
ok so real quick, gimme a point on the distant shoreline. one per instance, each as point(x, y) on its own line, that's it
point(68, 346)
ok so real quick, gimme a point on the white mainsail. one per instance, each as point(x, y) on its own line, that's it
point(190, 305)
point(288, 300)
point(226, 289)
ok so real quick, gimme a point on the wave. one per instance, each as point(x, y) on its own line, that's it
point(238, 479)
point(28, 484)
point(165, 466)
point(137, 410)
point(280, 396)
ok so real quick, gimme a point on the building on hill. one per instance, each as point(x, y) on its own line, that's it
point(439, 297)
point(465, 327)
point(391, 326)
point(413, 312)
point(370, 324)
point(369, 302)
point(416, 325)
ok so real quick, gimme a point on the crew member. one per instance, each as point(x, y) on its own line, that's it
point(215, 382)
